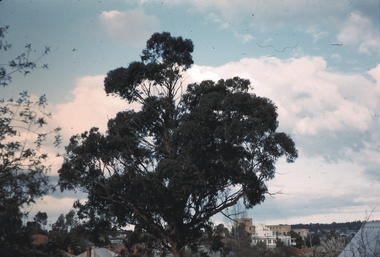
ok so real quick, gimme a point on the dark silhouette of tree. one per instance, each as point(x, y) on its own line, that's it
point(67, 233)
point(279, 243)
point(215, 239)
point(140, 243)
point(23, 168)
point(60, 223)
point(299, 239)
point(242, 239)
point(184, 157)
point(23, 173)
point(218, 240)
point(61, 240)
point(66, 222)
point(41, 218)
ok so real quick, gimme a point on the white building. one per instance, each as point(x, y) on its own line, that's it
point(270, 237)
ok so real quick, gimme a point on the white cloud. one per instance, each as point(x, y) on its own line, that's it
point(326, 113)
point(375, 74)
point(245, 38)
point(313, 189)
point(223, 25)
point(212, 17)
point(131, 27)
point(89, 107)
point(52, 206)
point(359, 31)
point(310, 98)
point(316, 33)
point(354, 29)
point(336, 57)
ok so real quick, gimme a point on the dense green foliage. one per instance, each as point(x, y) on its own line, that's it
point(182, 158)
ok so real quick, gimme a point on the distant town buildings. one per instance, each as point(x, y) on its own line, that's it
point(271, 235)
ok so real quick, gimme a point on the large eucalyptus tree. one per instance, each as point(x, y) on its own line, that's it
point(183, 157)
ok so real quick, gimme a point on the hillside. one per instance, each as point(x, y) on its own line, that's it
point(318, 227)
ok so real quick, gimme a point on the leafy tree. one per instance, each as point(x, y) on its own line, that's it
point(183, 157)
point(67, 232)
point(23, 169)
point(21, 64)
point(332, 234)
point(23, 173)
point(38, 224)
point(299, 239)
point(279, 243)
point(243, 239)
point(219, 234)
point(66, 222)
point(315, 240)
point(140, 243)
point(216, 239)
point(60, 223)
point(330, 247)
point(61, 240)
point(41, 218)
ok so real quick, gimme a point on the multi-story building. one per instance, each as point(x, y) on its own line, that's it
point(248, 224)
point(304, 232)
point(270, 234)
point(280, 229)
point(264, 233)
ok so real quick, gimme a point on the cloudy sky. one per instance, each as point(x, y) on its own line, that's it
point(317, 60)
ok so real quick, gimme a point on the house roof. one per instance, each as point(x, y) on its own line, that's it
point(38, 239)
point(366, 241)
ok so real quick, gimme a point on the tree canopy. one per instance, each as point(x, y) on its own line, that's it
point(184, 156)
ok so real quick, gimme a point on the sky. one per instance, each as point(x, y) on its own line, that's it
point(318, 61)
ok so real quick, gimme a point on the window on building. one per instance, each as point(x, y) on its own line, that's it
point(269, 241)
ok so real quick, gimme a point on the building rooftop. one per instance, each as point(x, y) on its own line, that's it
point(366, 241)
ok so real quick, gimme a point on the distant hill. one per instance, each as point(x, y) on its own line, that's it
point(315, 227)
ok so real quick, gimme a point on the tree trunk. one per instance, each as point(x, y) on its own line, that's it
point(176, 253)
point(177, 249)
